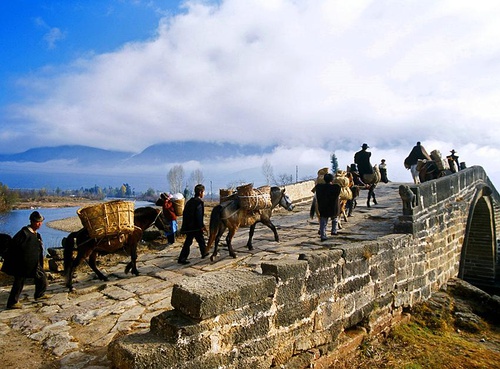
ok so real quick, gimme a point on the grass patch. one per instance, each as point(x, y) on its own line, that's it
point(432, 340)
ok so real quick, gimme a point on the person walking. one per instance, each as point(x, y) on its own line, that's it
point(168, 211)
point(24, 259)
point(327, 195)
point(192, 224)
point(417, 153)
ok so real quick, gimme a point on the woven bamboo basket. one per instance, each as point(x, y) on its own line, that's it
point(438, 159)
point(251, 199)
point(224, 194)
point(108, 219)
point(245, 193)
point(263, 198)
point(178, 206)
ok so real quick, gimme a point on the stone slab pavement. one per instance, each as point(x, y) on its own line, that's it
point(76, 327)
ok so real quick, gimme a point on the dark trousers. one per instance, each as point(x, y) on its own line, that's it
point(18, 285)
point(200, 239)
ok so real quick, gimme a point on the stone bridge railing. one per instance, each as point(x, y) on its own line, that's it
point(299, 313)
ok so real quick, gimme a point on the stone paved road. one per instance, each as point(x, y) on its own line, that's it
point(76, 327)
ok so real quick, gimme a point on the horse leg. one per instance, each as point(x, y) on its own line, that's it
point(372, 189)
point(271, 226)
point(250, 236)
point(131, 243)
point(219, 233)
point(93, 266)
point(343, 209)
point(82, 254)
point(229, 238)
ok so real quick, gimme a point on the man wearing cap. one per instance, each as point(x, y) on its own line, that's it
point(362, 159)
point(453, 161)
point(24, 259)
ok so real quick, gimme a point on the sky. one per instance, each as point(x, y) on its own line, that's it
point(313, 77)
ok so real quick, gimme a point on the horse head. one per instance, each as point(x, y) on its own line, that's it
point(279, 197)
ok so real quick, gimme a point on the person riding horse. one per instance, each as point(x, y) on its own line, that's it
point(369, 174)
point(417, 153)
point(362, 159)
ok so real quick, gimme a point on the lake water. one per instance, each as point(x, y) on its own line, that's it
point(14, 220)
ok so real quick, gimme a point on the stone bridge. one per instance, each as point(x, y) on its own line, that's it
point(298, 311)
point(300, 303)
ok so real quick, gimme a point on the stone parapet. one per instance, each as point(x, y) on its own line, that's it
point(296, 313)
point(233, 319)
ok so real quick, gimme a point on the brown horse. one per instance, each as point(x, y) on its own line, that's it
point(229, 215)
point(89, 248)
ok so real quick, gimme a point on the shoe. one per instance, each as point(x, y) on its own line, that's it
point(323, 239)
point(17, 305)
point(43, 297)
point(375, 201)
point(183, 262)
point(205, 255)
point(334, 233)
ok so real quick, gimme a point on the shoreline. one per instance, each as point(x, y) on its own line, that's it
point(49, 202)
point(71, 224)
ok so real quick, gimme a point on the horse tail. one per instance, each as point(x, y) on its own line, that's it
point(68, 247)
point(312, 211)
point(215, 220)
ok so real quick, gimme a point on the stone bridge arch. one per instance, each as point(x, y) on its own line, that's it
point(479, 255)
point(460, 210)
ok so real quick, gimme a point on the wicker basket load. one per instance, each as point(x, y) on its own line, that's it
point(341, 179)
point(108, 219)
point(224, 194)
point(178, 206)
point(251, 199)
point(441, 163)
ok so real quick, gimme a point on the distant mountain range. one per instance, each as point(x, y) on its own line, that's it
point(177, 152)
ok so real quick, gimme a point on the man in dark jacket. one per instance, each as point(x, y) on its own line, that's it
point(192, 224)
point(327, 195)
point(24, 259)
point(362, 159)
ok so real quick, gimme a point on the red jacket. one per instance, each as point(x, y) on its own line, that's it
point(168, 210)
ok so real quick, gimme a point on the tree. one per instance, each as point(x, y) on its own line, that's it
point(150, 192)
point(335, 163)
point(284, 179)
point(7, 198)
point(196, 177)
point(176, 178)
point(267, 170)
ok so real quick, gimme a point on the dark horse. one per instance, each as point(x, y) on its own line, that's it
point(88, 247)
point(229, 215)
point(428, 170)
